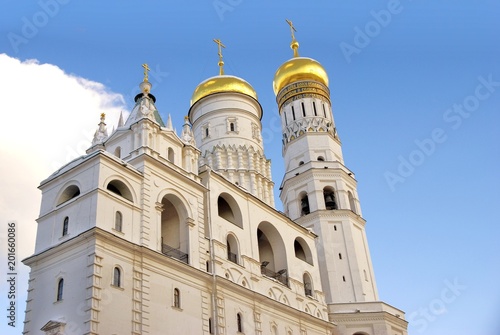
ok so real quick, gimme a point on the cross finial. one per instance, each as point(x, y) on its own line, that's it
point(221, 62)
point(292, 28)
point(294, 45)
point(146, 69)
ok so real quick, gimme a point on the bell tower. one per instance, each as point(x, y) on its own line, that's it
point(319, 192)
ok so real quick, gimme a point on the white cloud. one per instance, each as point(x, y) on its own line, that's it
point(48, 117)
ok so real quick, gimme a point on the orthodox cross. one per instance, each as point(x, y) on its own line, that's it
point(292, 28)
point(146, 69)
point(221, 62)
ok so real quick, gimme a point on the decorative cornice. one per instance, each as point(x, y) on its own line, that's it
point(300, 90)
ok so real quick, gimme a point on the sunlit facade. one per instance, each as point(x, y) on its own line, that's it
point(154, 232)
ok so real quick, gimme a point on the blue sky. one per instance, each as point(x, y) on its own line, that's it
point(415, 89)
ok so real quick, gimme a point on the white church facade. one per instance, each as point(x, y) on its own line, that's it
point(152, 232)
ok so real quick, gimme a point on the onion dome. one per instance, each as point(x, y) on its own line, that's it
point(222, 83)
point(299, 69)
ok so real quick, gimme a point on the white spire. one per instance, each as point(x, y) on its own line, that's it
point(169, 122)
point(120, 120)
point(101, 134)
point(187, 135)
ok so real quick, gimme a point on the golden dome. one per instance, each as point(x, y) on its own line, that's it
point(222, 83)
point(298, 69)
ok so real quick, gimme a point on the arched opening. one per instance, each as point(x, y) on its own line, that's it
point(321, 159)
point(352, 203)
point(118, 187)
point(231, 126)
point(329, 196)
point(308, 288)
point(174, 230)
point(117, 277)
point(177, 298)
point(118, 152)
point(69, 193)
point(60, 288)
point(65, 226)
point(170, 155)
point(302, 250)
point(301, 163)
point(118, 221)
point(272, 253)
point(210, 326)
point(232, 248)
point(239, 322)
point(229, 210)
point(304, 204)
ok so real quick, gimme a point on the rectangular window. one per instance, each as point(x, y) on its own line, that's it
point(303, 109)
point(314, 107)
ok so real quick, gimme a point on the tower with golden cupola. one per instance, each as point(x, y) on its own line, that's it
point(319, 192)
point(226, 119)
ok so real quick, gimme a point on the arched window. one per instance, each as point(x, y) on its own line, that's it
point(117, 277)
point(239, 322)
point(118, 187)
point(303, 109)
point(174, 230)
point(304, 205)
point(225, 210)
point(229, 210)
point(329, 196)
point(352, 203)
point(118, 221)
point(177, 298)
point(210, 326)
point(308, 289)
point(118, 152)
point(65, 226)
point(232, 249)
point(302, 250)
point(272, 253)
point(69, 193)
point(170, 155)
point(321, 159)
point(231, 126)
point(60, 287)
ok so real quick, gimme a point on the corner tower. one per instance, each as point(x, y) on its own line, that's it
point(319, 192)
point(226, 118)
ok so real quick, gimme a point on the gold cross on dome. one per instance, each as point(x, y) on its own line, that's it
point(292, 28)
point(221, 62)
point(146, 69)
